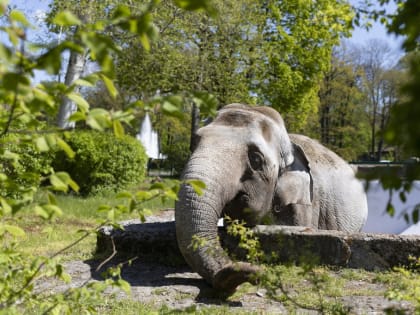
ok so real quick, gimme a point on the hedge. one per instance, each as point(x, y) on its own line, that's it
point(102, 161)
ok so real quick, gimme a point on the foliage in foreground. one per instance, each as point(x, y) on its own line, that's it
point(26, 108)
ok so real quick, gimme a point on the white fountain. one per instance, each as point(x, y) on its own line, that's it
point(149, 138)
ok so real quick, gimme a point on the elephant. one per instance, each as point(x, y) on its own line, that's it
point(254, 170)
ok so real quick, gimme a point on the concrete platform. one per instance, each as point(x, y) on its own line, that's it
point(157, 240)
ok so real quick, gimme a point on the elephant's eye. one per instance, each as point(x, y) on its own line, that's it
point(256, 160)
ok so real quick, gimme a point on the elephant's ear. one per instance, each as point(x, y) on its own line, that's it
point(294, 185)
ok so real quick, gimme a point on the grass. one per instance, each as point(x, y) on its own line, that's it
point(320, 287)
point(46, 237)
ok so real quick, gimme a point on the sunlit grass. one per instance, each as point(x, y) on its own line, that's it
point(46, 237)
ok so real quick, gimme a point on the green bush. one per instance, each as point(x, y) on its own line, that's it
point(23, 164)
point(102, 161)
point(175, 141)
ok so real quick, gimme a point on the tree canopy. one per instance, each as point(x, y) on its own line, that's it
point(266, 52)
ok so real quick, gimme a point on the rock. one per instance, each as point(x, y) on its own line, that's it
point(289, 243)
point(354, 250)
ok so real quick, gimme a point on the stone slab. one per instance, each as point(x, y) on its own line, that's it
point(288, 243)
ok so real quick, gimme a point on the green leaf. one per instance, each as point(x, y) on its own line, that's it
point(8, 155)
point(50, 61)
point(53, 210)
point(118, 129)
point(14, 230)
point(99, 118)
point(61, 181)
point(11, 80)
point(171, 194)
point(109, 84)
point(66, 18)
point(5, 52)
point(403, 198)
point(77, 116)
point(144, 195)
point(51, 199)
point(18, 16)
point(206, 102)
point(3, 6)
point(40, 211)
point(42, 144)
point(111, 215)
point(144, 40)
point(171, 109)
point(59, 272)
point(197, 185)
point(194, 5)
point(81, 103)
point(43, 96)
point(5, 207)
point(390, 209)
point(66, 148)
point(415, 214)
point(122, 11)
point(65, 177)
point(73, 185)
point(107, 65)
point(51, 140)
point(58, 183)
point(124, 285)
point(83, 82)
point(103, 208)
point(406, 218)
point(124, 195)
point(158, 185)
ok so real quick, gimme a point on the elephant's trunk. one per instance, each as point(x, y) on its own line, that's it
point(196, 225)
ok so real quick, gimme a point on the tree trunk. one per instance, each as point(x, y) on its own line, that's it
point(195, 124)
point(74, 71)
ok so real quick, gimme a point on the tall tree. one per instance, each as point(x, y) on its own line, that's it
point(343, 126)
point(392, 81)
point(87, 11)
point(270, 52)
point(379, 89)
point(298, 38)
point(194, 53)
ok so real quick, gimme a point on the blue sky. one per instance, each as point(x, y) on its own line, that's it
point(377, 31)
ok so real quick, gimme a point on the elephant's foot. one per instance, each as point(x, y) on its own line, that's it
point(227, 279)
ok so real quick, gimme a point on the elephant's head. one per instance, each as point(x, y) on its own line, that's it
point(240, 157)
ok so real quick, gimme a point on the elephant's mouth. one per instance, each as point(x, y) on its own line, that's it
point(238, 208)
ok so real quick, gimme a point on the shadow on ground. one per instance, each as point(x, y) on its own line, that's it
point(146, 277)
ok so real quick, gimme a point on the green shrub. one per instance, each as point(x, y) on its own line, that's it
point(23, 164)
point(102, 161)
point(175, 141)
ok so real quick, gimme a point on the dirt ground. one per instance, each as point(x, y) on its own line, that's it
point(178, 288)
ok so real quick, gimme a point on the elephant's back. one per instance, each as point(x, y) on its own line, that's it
point(318, 154)
point(341, 198)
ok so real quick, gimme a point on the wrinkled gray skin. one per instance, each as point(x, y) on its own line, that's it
point(254, 169)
